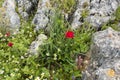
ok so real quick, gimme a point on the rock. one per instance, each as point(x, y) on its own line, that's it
point(4, 21)
point(100, 11)
point(10, 6)
point(105, 56)
point(41, 18)
point(35, 44)
point(78, 13)
point(26, 7)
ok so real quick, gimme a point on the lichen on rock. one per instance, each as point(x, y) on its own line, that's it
point(105, 56)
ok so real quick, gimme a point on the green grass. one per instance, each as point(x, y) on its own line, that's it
point(64, 5)
point(1, 2)
point(62, 51)
point(56, 58)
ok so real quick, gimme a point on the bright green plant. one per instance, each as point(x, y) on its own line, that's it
point(85, 13)
point(14, 64)
point(56, 58)
point(59, 52)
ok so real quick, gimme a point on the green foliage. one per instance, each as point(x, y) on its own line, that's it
point(58, 53)
point(117, 13)
point(65, 5)
point(14, 65)
point(84, 13)
point(56, 58)
point(113, 23)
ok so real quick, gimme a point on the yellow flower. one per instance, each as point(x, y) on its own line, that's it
point(111, 73)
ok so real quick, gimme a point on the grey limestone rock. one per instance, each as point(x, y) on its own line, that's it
point(35, 44)
point(26, 7)
point(100, 11)
point(105, 56)
point(43, 13)
point(10, 6)
point(78, 13)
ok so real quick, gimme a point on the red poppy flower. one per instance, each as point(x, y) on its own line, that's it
point(10, 44)
point(69, 34)
point(7, 34)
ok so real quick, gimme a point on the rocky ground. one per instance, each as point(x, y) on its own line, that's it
point(104, 62)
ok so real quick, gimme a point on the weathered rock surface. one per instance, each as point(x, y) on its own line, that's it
point(35, 44)
point(41, 18)
point(10, 6)
point(26, 7)
point(78, 13)
point(99, 12)
point(105, 56)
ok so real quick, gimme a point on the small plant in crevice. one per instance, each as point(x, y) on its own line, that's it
point(84, 13)
point(117, 14)
point(114, 23)
point(65, 5)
